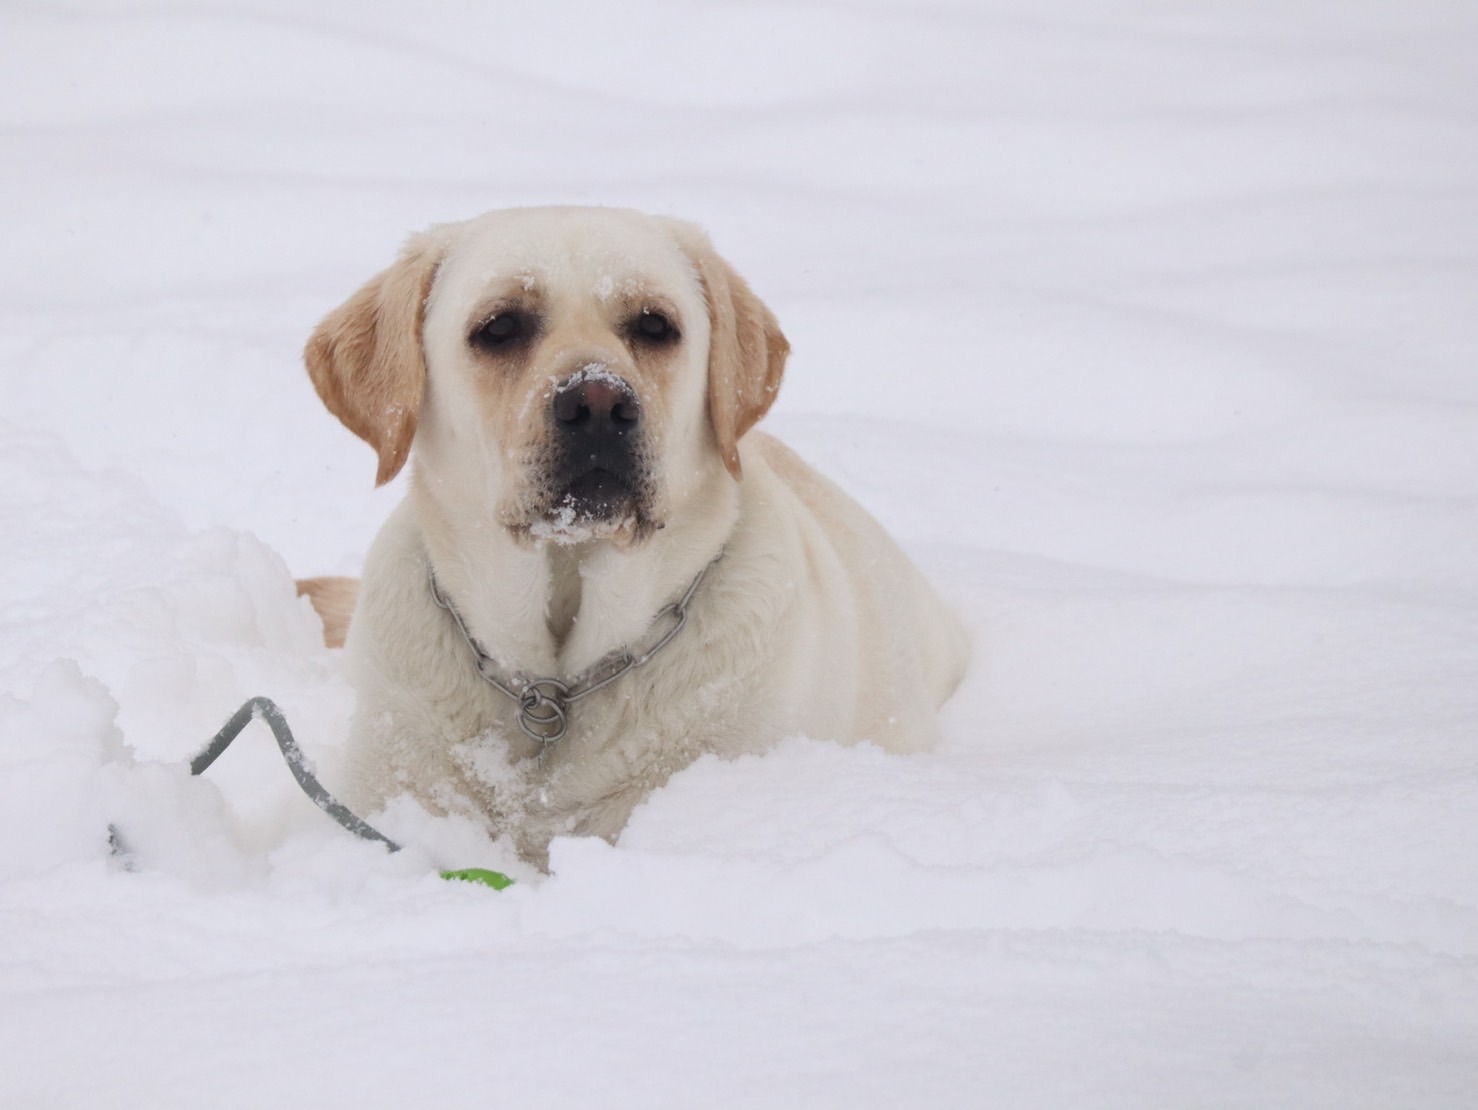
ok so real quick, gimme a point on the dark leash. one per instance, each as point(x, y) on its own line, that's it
point(265, 709)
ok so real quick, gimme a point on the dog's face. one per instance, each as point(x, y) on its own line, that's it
point(576, 373)
point(567, 359)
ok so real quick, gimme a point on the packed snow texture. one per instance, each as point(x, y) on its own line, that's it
point(1148, 329)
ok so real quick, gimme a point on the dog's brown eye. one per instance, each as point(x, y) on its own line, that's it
point(501, 330)
point(653, 327)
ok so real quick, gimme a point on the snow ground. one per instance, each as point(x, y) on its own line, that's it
point(1148, 328)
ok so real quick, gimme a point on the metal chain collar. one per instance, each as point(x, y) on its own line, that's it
point(544, 703)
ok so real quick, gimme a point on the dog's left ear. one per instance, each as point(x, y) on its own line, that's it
point(747, 350)
point(366, 358)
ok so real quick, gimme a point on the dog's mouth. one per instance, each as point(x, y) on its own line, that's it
point(598, 494)
point(598, 503)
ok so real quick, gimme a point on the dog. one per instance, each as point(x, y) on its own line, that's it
point(599, 572)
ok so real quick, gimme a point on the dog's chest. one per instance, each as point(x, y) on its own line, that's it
point(622, 743)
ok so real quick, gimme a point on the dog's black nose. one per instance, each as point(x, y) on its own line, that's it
point(598, 467)
point(596, 406)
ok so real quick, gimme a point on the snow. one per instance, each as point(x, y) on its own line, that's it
point(1147, 329)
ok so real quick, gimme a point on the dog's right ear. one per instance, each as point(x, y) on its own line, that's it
point(367, 361)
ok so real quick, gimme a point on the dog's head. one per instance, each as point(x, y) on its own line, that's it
point(577, 371)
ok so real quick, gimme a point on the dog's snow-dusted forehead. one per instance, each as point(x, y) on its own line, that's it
point(599, 254)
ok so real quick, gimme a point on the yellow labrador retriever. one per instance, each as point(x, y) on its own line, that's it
point(599, 572)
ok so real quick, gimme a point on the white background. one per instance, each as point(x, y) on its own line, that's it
point(1149, 329)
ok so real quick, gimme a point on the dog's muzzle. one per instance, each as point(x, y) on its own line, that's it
point(597, 473)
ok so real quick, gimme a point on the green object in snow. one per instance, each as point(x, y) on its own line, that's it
point(495, 879)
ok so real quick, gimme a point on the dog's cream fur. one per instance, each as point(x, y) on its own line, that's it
point(813, 621)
